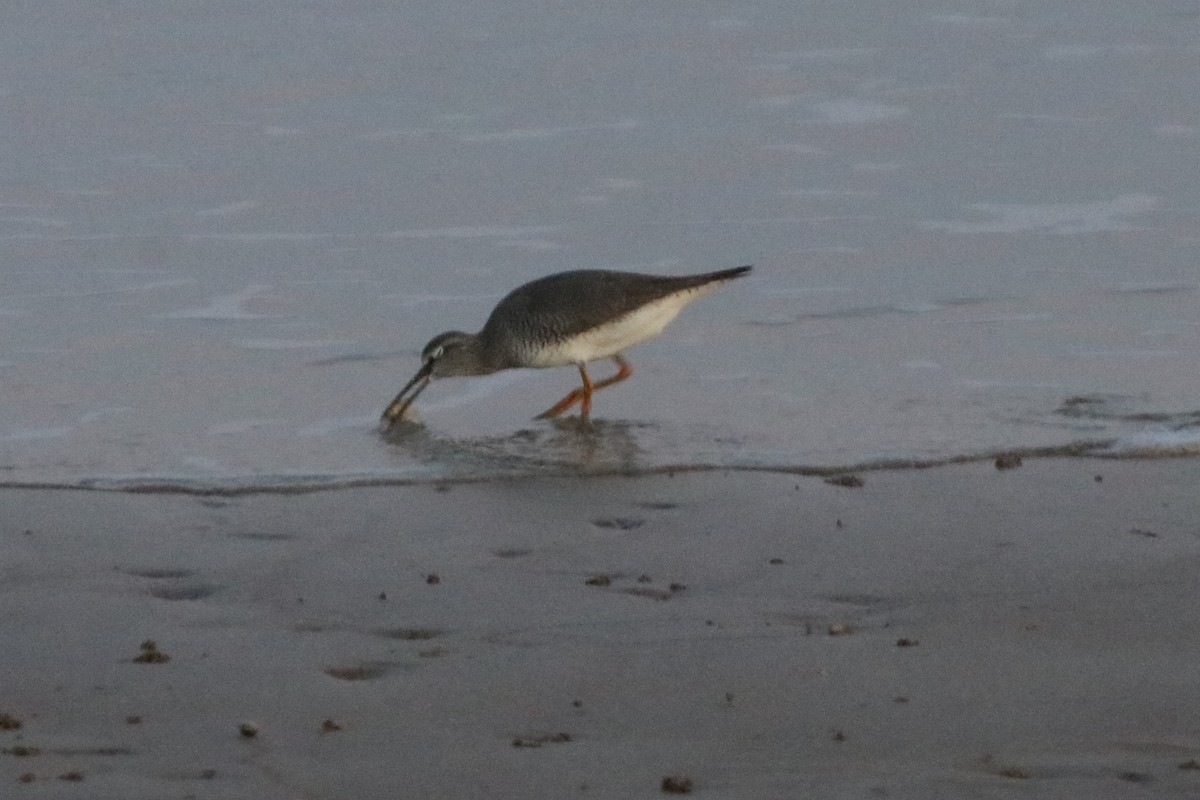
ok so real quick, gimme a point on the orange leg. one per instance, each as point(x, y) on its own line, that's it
point(583, 395)
point(585, 404)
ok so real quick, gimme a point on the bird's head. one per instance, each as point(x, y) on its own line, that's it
point(447, 354)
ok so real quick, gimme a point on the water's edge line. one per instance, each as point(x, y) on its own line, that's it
point(298, 484)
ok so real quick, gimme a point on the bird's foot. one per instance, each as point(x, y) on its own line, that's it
point(562, 405)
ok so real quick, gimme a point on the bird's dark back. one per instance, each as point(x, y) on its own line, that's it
point(568, 303)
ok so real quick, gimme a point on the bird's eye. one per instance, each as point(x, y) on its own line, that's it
point(436, 353)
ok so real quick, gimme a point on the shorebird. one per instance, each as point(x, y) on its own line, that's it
point(562, 319)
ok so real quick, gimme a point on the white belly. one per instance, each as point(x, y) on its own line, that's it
point(614, 337)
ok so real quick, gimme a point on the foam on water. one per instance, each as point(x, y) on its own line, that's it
point(1080, 52)
point(473, 232)
point(229, 209)
point(290, 344)
point(329, 427)
point(237, 427)
point(527, 134)
point(1062, 218)
point(968, 19)
point(224, 307)
point(409, 301)
point(1159, 443)
point(35, 434)
point(856, 111)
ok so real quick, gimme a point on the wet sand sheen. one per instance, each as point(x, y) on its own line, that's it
point(932, 633)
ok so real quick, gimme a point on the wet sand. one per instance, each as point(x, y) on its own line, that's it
point(957, 632)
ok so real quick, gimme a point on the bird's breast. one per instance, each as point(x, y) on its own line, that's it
point(613, 337)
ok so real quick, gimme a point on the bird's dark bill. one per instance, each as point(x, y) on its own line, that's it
point(396, 409)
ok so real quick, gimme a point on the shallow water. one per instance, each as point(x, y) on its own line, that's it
point(225, 234)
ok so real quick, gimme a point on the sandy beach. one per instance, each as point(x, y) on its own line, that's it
point(956, 632)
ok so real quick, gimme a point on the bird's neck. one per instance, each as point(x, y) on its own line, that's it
point(481, 360)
